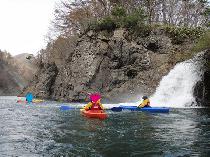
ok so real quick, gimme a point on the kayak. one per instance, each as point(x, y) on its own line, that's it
point(21, 101)
point(147, 109)
point(100, 114)
point(37, 100)
point(33, 101)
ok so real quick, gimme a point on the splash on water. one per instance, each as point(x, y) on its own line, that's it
point(176, 88)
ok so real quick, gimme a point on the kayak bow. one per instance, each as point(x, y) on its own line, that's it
point(100, 114)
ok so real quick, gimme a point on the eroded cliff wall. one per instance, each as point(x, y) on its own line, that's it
point(117, 65)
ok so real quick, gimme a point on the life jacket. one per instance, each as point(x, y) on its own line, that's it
point(96, 106)
point(145, 103)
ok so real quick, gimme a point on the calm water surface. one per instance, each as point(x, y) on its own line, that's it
point(44, 130)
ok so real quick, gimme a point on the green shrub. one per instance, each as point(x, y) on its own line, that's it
point(181, 34)
point(129, 21)
point(119, 18)
point(118, 12)
point(136, 18)
point(203, 42)
point(106, 24)
point(142, 30)
point(91, 24)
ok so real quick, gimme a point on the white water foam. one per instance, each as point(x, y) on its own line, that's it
point(176, 88)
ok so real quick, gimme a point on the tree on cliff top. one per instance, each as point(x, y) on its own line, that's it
point(72, 17)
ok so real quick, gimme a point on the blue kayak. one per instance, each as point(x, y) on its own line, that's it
point(131, 108)
point(147, 109)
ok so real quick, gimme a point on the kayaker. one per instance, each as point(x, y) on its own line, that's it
point(29, 97)
point(145, 102)
point(95, 103)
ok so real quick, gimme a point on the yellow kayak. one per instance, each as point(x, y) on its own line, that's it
point(37, 100)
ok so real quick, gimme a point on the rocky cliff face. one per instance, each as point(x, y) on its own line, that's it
point(202, 88)
point(117, 65)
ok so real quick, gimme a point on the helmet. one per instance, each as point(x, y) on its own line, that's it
point(144, 97)
point(95, 97)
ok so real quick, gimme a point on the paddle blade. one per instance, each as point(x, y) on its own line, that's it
point(65, 108)
point(116, 109)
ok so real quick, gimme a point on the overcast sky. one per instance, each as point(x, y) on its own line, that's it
point(24, 24)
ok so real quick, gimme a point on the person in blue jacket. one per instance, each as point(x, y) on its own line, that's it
point(29, 97)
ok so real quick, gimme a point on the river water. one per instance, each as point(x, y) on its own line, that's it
point(43, 130)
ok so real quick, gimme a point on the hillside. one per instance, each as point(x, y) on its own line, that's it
point(15, 73)
point(25, 67)
point(10, 82)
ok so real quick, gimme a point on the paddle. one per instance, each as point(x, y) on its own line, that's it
point(120, 108)
point(65, 108)
point(116, 109)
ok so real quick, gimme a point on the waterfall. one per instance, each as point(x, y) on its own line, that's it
point(176, 88)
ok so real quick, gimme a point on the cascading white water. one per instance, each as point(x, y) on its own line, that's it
point(176, 88)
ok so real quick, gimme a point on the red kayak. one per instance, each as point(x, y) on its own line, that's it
point(100, 114)
point(21, 101)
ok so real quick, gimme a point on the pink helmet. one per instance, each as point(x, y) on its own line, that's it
point(95, 97)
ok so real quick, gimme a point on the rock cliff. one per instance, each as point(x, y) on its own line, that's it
point(117, 64)
point(202, 88)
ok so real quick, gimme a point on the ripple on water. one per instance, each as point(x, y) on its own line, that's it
point(44, 130)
